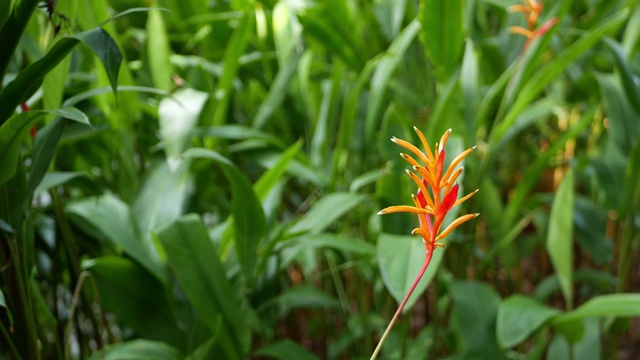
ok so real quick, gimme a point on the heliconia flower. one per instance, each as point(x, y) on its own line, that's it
point(437, 189)
point(531, 10)
point(437, 194)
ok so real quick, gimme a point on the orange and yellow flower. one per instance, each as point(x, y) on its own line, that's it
point(531, 10)
point(437, 189)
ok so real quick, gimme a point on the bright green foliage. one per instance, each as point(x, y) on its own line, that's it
point(199, 179)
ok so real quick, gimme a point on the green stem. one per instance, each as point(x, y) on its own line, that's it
point(427, 260)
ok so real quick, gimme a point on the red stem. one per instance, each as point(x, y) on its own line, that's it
point(427, 260)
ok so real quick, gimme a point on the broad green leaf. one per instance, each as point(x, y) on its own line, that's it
point(158, 51)
point(248, 216)
point(285, 350)
point(138, 349)
point(382, 75)
point(136, 297)
point(560, 236)
point(474, 318)
point(400, 259)
point(162, 197)
point(178, 116)
point(389, 14)
point(325, 211)
point(442, 33)
point(200, 273)
point(113, 219)
point(519, 317)
point(631, 185)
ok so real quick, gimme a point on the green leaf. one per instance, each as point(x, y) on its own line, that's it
point(3, 303)
point(285, 350)
point(336, 242)
point(139, 350)
point(55, 178)
point(113, 219)
point(231, 60)
point(11, 134)
point(624, 129)
point(158, 51)
point(382, 75)
point(162, 197)
point(29, 79)
point(302, 297)
point(71, 113)
point(400, 259)
point(325, 211)
point(248, 216)
point(178, 116)
point(198, 269)
point(617, 305)
point(626, 76)
point(136, 297)
point(442, 33)
point(519, 317)
point(550, 72)
point(273, 175)
point(474, 319)
point(560, 236)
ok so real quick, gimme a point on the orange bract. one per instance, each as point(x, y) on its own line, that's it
point(437, 190)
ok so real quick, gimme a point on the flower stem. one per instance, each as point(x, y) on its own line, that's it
point(427, 260)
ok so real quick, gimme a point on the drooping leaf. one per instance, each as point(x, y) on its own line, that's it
point(325, 211)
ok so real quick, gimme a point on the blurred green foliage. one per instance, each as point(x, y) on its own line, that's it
point(199, 179)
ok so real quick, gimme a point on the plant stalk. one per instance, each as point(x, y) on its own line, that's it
point(427, 260)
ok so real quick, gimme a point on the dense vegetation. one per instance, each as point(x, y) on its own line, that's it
point(200, 179)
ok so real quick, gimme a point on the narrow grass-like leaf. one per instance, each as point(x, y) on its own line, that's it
point(384, 70)
point(626, 76)
point(158, 51)
point(560, 236)
point(273, 175)
point(325, 211)
point(55, 178)
point(550, 72)
point(195, 261)
point(231, 60)
point(617, 305)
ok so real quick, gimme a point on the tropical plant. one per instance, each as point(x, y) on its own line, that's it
point(201, 179)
